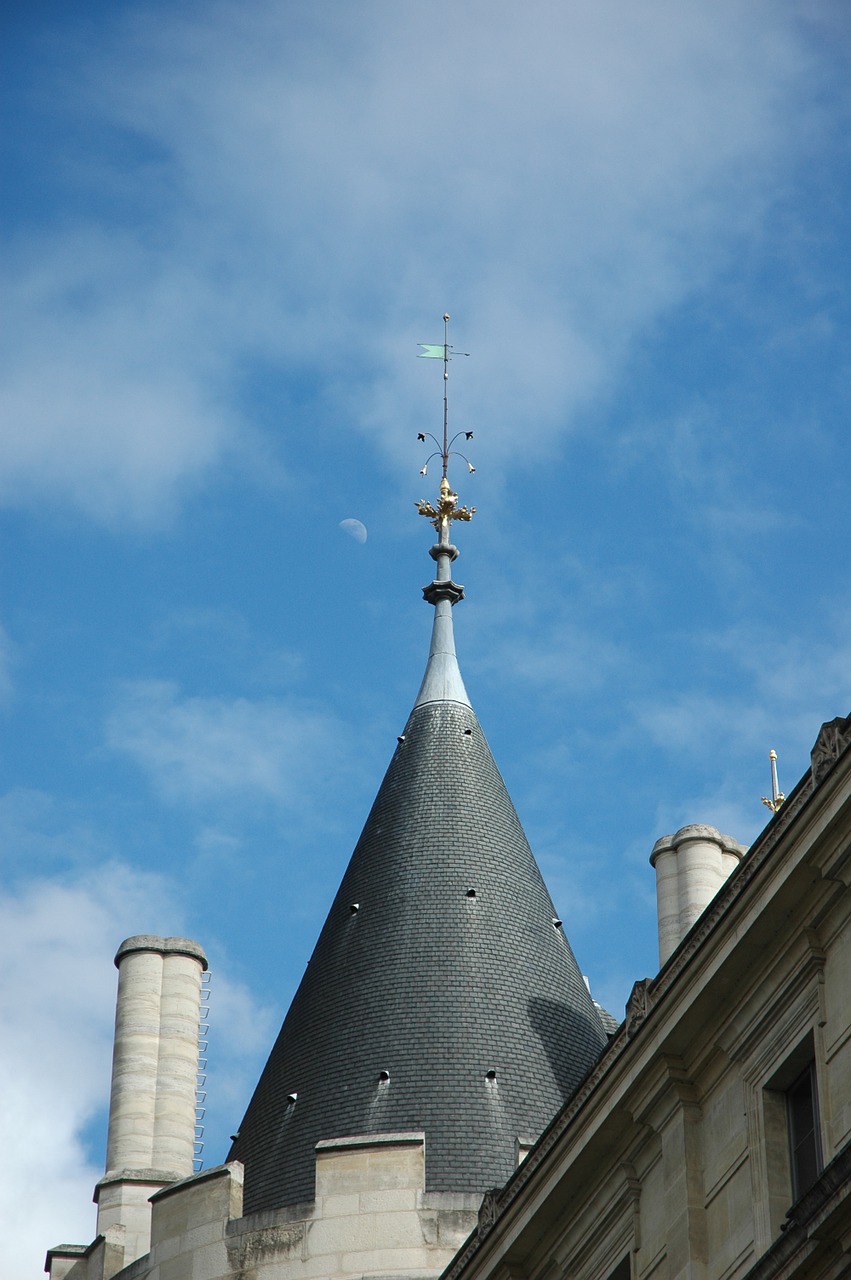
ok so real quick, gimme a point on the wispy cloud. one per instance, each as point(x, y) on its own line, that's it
point(124, 417)
point(57, 1002)
point(43, 836)
point(202, 749)
point(277, 176)
point(57, 940)
point(778, 687)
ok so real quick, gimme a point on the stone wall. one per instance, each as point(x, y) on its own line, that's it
point(672, 1161)
point(371, 1217)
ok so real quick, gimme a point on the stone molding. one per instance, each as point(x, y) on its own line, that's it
point(697, 831)
point(403, 1139)
point(114, 1177)
point(232, 1170)
point(162, 946)
point(443, 589)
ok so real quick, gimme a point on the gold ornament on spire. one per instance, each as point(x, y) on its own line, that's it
point(447, 508)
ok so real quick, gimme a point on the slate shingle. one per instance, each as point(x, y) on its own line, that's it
point(432, 986)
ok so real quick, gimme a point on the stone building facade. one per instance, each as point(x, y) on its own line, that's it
point(712, 1140)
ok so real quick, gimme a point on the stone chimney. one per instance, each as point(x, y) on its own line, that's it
point(691, 866)
point(151, 1140)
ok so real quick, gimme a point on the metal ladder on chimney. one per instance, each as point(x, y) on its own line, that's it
point(201, 1078)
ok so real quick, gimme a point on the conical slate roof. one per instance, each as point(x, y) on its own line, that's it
point(441, 962)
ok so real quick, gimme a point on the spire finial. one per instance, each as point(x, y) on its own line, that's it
point(442, 680)
point(447, 509)
point(777, 796)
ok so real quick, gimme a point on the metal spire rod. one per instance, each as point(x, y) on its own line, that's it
point(777, 796)
point(442, 680)
point(445, 392)
point(443, 351)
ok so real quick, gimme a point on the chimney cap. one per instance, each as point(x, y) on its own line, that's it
point(160, 946)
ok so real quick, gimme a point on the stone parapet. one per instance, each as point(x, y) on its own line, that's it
point(371, 1218)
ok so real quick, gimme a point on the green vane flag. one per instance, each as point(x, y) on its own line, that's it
point(432, 350)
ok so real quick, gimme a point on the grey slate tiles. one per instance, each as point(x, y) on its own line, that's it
point(448, 968)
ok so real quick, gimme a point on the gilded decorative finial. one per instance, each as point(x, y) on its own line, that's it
point(447, 508)
point(777, 796)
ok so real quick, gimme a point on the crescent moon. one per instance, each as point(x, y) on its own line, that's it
point(354, 529)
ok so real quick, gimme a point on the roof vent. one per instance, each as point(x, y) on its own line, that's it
point(490, 1075)
point(471, 893)
point(556, 922)
point(468, 733)
point(383, 1077)
point(291, 1099)
point(354, 907)
point(401, 738)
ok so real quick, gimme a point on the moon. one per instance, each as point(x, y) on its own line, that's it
point(354, 529)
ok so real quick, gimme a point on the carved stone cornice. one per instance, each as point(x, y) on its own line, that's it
point(834, 737)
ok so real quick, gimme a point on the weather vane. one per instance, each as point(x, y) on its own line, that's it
point(777, 796)
point(447, 508)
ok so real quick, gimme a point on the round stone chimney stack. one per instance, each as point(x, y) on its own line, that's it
point(691, 866)
point(152, 1110)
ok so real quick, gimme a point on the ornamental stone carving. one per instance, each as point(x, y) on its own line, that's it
point(489, 1210)
point(637, 1006)
point(833, 738)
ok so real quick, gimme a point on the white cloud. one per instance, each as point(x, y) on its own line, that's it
point(808, 669)
point(57, 1003)
point(695, 723)
point(558, 627)
point(206, 748)
point(110, 399)
point(781, 689)
point(297, 184)
point(557, 656)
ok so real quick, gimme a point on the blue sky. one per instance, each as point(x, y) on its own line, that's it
point(226, 228)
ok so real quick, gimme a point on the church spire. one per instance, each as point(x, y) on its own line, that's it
point(442, 681)
point(442, 997)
